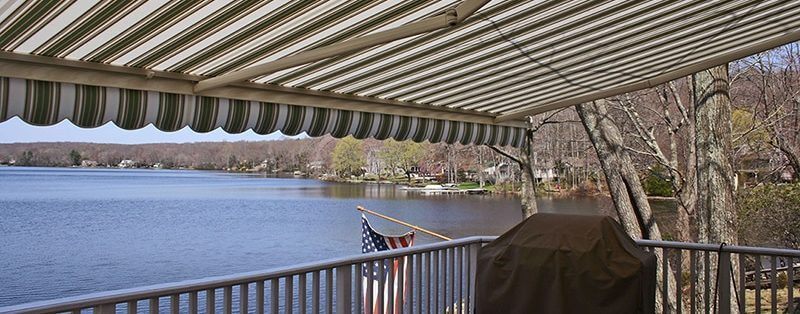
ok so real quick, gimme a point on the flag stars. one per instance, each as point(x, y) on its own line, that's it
point(372, 241)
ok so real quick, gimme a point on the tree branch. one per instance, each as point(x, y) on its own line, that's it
point(505, 154)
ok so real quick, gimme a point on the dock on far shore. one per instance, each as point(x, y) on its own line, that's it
point(436, 189)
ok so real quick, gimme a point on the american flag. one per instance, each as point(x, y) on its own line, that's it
point(372, 241)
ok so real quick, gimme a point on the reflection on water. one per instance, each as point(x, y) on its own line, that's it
point(74, 231)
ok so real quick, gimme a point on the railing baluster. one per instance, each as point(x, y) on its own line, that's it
point(274, 289)
point(445, 286)
point(472, 263)
point(381, 285)
point(418, 282)
point(315, 286)
point(757, 280)
point(436, 289)
point(370, 294)
point(105, 309)
point(153, 308)
point(244, 298)
point(227, 299)
point(664, 279)
point(343, 289)
point(773, 284)
point(288, 294)
point(460, 278)
point(329, 290)
point(301, 292)
point(260, 297)
point(210, 301)
point(408, 288)
point(175, 304)
point(193, 302)
point(693, 282)
point(679, 282)
point(401, 297)
point(742, 282)
point(358, 276)
point(390, 306)
point(789, 284)
point(451, 273)
point(428, 281)
point(132, 307)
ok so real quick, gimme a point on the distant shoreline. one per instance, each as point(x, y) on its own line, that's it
point(290, 175)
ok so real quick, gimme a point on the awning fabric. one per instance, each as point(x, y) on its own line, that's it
point(48, 103)
point(506, 60)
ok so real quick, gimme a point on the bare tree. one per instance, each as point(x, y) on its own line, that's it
point(525, 160)
point(767, 89)
point(630, 200)
point(716, 213)
point(667, 115)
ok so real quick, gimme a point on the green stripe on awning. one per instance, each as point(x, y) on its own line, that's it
point(48, 103)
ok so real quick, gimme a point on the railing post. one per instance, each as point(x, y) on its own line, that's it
point(175, 303)
point(105, 309)
point(724, 283)
point(343, 289)
point(211, 299)
point(153, 308)
point(132, 307)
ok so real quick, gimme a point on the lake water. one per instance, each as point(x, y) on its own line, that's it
point(66, 232)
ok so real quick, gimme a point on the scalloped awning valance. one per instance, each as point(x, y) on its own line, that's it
point(47, 103)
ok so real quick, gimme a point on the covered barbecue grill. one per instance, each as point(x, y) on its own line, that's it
point(556, 263)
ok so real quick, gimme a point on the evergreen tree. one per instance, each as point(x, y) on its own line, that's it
point(75, 158)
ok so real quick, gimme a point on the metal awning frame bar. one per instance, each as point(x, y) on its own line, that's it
point(448, 19)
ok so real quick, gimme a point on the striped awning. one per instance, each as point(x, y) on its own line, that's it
point(48, 103)
point(485, 62)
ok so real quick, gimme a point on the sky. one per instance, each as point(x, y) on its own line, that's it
point(15, 130)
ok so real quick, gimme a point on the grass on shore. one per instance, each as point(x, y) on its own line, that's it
point(471, 185)
point(766, 300)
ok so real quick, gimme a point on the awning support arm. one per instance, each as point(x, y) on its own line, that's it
point(448, 19)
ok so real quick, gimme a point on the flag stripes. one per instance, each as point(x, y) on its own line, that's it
point(391, 274)
point(48, 103)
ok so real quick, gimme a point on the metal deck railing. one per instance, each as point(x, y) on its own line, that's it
point(734, 285)
point(441, 279)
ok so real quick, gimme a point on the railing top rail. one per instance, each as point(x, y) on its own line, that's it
point(716, 247)
point(146, 292)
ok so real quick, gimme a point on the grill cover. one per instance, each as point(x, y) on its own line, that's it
point(556, 263)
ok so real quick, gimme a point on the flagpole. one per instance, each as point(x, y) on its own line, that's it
point(403, 223)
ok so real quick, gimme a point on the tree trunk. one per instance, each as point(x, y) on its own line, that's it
point(528, 180)
point(481, 179)
point(626, 190)
point(687, 195)
point(528, 190)
point(794, 160)
point(716, 212)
